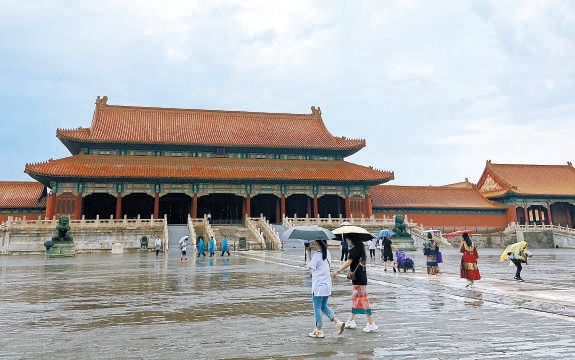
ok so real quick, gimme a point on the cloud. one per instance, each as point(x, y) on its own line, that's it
point(437, 85)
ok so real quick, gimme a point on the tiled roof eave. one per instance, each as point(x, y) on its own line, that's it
point(45, 179)
point(75, 144)
point(396, 206)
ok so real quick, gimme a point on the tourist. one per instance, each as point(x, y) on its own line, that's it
point(387, 249)
point(359, 299)
point(518, 258)
point(225, 248)
point(371, 246)
point(158, 245)
point(319, 265)
point(430, 250)
point(212, 246)
point(184, 248)
point(201, 246)
point(209, 217)
point(469, 268)
point(344, 250)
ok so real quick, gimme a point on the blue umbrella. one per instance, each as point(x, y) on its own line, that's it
point(384, 233)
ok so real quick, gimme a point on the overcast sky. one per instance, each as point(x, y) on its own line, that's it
point(436, 88)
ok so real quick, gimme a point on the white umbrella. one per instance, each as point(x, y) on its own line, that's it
point(352, 231)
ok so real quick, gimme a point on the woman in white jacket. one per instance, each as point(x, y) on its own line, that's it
point(321, 285)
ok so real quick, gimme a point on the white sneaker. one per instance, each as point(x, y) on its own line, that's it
point(316, 334)
point(350, 324)
point(370, 328)
point(340, 325)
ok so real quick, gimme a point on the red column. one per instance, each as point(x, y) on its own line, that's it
point(78, 207)
point(569, 222)
point(347, 207)
point(549, 218)
point(512, 214)
point(195, 206)
point(367, 203)
point(278, 211)
point(315, 212)
point(50, 206)
point(119, 206)
point(526, 214)
point(283, 211)
point(156, 206)
point(248, 206)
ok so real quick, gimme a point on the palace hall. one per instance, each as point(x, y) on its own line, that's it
point(153, 162)
point(163, 162)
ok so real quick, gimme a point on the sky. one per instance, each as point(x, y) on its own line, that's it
point(436, 88)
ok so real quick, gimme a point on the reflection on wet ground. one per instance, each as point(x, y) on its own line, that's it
point(257, 305)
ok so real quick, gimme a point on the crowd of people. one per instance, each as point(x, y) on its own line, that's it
point(318, 261)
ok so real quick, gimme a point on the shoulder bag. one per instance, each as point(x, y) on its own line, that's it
point(352, 275)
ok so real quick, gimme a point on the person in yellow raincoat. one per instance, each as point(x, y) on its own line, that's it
point(518, 254)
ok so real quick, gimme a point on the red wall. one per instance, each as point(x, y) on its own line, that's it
point(453, 221)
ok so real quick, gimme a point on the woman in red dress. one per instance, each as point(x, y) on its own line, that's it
point(469, 268)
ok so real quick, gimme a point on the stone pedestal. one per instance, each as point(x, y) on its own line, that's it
point(403, 244)
point(117, 248)
point(61, 249)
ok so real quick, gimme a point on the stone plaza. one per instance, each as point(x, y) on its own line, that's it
point(257, 305)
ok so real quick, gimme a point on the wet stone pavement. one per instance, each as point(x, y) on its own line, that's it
point(257, 305)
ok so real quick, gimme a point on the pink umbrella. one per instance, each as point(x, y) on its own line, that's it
point(458, 233)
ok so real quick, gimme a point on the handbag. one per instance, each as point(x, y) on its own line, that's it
point(352, 275)
point(439, 257)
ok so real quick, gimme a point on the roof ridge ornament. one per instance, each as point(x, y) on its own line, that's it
point(316, 111)
point(102, 101)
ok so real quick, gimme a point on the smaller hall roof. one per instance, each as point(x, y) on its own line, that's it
point(115, 124)
point(22, 194)
point(443, 197)
point(91, 167)
point(534, 180)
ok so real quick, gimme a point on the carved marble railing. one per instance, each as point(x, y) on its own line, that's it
point(23, 235)
point(192, 230)
point(330, 222)
point(24, 222)
point(270, 233)
point(555, 228)
point(207, 229)
point(256, 232)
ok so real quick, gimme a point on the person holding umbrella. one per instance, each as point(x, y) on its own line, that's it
point(321, 286)
point(469, 268)
point(517, 253)
point(360, 301)
point(387, 252)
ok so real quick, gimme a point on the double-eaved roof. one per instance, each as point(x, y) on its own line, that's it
point(500, 180)
point(316, 155)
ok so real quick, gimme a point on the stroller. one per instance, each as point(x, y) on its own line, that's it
point(403, 261)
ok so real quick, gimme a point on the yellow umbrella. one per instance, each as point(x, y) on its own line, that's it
point(513, 248)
